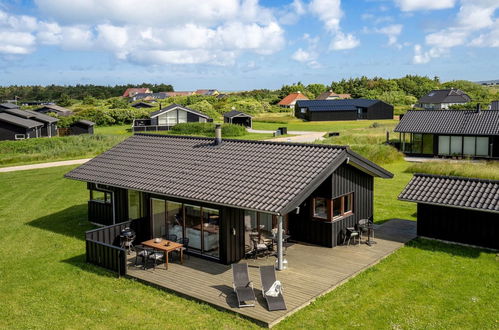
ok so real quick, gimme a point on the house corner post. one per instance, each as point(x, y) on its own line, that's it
point(279, 243)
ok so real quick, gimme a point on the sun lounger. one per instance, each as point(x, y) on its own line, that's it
point(272, 289)
point(242, 285)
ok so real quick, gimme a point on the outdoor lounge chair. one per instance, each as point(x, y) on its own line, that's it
point(271, 289)
point(242, 285)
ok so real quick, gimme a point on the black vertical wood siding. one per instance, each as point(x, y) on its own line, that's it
point(103, 248)
point(103, 214)
point(346, 179)
point(231, 235)
point(458, 225)
point(380, 110)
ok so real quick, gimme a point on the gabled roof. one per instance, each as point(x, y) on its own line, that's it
point(143, 105)
point(18, 121)
point(330, 94)
point(292, 98)
point(235, 113)
point(468, 193)
point(9, 106)
point(159, 95)
point(445, 96)
point(129, 91)
point(85, 122)
point(180, 93)
point(258, 175)
point(30, 114)
point(460, 122)
point(56, 108)
point(336, 105)
point(175, 106)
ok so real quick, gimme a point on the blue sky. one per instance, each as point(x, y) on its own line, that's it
point(249, 44)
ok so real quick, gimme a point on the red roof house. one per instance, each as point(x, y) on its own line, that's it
point(134, 91)
point(290, 100)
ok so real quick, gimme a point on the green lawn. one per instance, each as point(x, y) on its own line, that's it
point(47, 284)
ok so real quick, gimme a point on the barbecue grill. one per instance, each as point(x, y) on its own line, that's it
point(127, 236)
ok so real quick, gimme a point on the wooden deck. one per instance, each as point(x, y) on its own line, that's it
point(313, 271)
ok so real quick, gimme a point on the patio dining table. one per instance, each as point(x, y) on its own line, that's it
point(166, 246)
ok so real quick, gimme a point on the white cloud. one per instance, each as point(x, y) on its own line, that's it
point(189, 31)
point(310, 54)
point(292, 12)
point(474, 25)
point(343, 41)
point(329, 12)
point(392, 32)
point(412, 5)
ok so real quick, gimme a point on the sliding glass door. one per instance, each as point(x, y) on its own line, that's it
point(201, 225)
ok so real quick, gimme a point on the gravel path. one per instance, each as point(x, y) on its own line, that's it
point(43, 165)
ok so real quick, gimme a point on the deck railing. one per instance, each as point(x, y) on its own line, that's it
point(103, 248)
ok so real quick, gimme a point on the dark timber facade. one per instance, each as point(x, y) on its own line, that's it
point(346, 109)
point(450, 133)
point(462, 210)
point(216, 194)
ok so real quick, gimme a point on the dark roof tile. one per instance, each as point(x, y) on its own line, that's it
point(477, 194)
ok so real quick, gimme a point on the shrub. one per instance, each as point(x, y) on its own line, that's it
point(208, 129)
point(206, 108)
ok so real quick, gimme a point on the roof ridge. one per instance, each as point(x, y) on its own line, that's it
point(455, 177)
point(327, 146)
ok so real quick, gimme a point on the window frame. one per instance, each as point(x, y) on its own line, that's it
point(108, 197)
point(330, 203)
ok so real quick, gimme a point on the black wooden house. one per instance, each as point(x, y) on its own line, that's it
point(216, 193)
point(238, 118)
point(82, 126)
point(456, 209)
point(17, 128)
point(344, 109)
point(450, 133)
point(49, 128)
point(164, 119)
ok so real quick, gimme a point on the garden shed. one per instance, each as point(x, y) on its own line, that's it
point(456, 209)
point(82, 126)
point(238, 118)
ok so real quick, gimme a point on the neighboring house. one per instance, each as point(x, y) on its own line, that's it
point(238, 118)
point(180, 93)
point(49, 127)
point(17, 128)
point(8, 106)
point(352, 109)
point(494, 105)
point(140, 105)
point(129, 92)
point(333, 96)
point(82, 126)
point(456, 209)
point(165, 118)
point(150, 96)
point(207, 92)
point(219, 192)
point(462, 133)
point(290, 100)
point(55, 109)
point(441, 99)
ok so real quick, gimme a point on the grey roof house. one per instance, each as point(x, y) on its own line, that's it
point(49, 124)
point(238, 118)
point(165, 118)
point(55, 109)
point(461, 133)
point(456, 209)
point(18, 128)
point(343, 109)
point(441, 99)
point(229, 191)
point(4, 106)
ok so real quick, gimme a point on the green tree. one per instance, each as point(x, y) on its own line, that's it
point(64, 101)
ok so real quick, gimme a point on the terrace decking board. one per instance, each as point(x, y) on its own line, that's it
point(313, 271)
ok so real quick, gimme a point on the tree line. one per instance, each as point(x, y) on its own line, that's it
point(52, 93)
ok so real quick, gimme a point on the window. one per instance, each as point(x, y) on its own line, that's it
point(303, 110)
point(100, 196)
point(417, 140)
point(469, 146)
point(135, 207)
point(456, 145)
point(321, 208)
point(428, 144)
point(326, 209)
point(482, 146)
point(182, 116)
